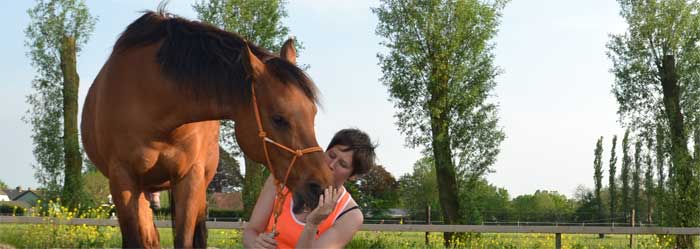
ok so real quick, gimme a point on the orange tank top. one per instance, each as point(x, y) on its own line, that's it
point(290, 228)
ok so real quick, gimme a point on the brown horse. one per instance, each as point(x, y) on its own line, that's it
point(150, 120)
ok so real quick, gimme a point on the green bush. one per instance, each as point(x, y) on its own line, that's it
point(9, 208)
point(225, 213)
point(164, 213)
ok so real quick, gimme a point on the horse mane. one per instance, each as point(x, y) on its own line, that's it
point(206, 59)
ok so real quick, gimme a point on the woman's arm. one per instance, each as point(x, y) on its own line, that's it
point(252, 234)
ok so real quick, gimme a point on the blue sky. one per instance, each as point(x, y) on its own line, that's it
point(554, 94)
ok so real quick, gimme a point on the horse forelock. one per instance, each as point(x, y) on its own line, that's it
point(290, 73)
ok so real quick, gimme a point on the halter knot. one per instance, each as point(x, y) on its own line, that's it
point(262, 134)
point(299, 153)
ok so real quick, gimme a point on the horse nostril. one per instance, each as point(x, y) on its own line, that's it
point(315, 188)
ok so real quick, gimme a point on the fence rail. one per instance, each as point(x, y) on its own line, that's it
point(397, 227)
point(557, 230)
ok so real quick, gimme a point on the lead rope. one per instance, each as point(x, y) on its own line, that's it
point(279, 197)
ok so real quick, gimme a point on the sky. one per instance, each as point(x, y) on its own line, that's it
point(554, 94)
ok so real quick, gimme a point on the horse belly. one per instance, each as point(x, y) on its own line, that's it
point(88, 130)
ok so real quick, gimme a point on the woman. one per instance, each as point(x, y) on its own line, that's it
point(336, 219)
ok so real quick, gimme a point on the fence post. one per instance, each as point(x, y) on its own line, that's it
point(632, 244)
point(427, 221)
point(557, 241)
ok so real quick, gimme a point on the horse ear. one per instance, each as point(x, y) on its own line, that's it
point(288, 52)
point(251, 63)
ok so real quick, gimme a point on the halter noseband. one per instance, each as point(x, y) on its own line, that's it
point(277, 209)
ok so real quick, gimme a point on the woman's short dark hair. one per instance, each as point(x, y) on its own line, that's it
point(360, 144)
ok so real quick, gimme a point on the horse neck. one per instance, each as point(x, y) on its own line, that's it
point(196, 108)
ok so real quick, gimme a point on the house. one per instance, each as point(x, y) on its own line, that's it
point(3, 196)
point(228, 201)
point(28, 196)
point(398, 213)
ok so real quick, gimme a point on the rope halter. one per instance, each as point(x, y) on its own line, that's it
point(277, 209)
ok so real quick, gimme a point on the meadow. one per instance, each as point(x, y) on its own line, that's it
point(64, 236)
point(52, 235)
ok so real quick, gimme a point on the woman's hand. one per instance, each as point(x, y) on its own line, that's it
point(326, 205)
point(266, 240)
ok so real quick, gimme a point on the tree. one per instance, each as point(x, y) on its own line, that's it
point(228, 174)
point(3, 185)
point(611, 180)
point(587, 206)
point(492, 204)
point(97, 187)
point(259, 22)
point(439, 71)
point(417, 190)
point(636, 179)
point(55, 35)
point(543, 206)
point(625, 176)
point(649, 180)
point(376, 191)
point(655, 63)
point(661, 198)
point(598, 175)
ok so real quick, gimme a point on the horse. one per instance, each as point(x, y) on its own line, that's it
point(150, 121)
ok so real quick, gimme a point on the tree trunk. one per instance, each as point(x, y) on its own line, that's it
point(442, 153)
point(684, 170)
point(696, 148)
point(72, 185)
point(612, 203)
point(252, 184)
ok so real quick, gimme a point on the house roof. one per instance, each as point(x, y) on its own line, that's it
point(12, 193)
point(28, 192)
point(2, 192)
point(15, 194)
point(231, 201)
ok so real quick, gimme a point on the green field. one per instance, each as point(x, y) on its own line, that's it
point(51, 236)
point(491, 240)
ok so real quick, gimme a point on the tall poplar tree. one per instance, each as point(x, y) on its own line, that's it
point(612, 184)
point(657, 80)
point(440, 72)
point(625, 177)
point(598, 175)
point(57, 31)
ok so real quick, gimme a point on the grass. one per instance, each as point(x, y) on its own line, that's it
point(49, 236)
point(492, 240)
point(28, 236)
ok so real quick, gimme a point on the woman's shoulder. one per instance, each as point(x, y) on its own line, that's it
point(350, 216)
point(348, 209)
point(350, 203)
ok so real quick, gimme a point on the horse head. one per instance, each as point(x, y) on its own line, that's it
point(285, 99)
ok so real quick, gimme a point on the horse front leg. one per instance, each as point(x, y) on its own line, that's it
point(190, 209)
point(135, 215)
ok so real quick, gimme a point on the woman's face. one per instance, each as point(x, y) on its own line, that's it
point(340, 163)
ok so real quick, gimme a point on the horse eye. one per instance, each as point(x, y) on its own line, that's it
point(279, 121)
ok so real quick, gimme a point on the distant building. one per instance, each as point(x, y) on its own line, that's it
point(228, 201)
point(3, 196)
point(28, 196)
point(398, 213)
